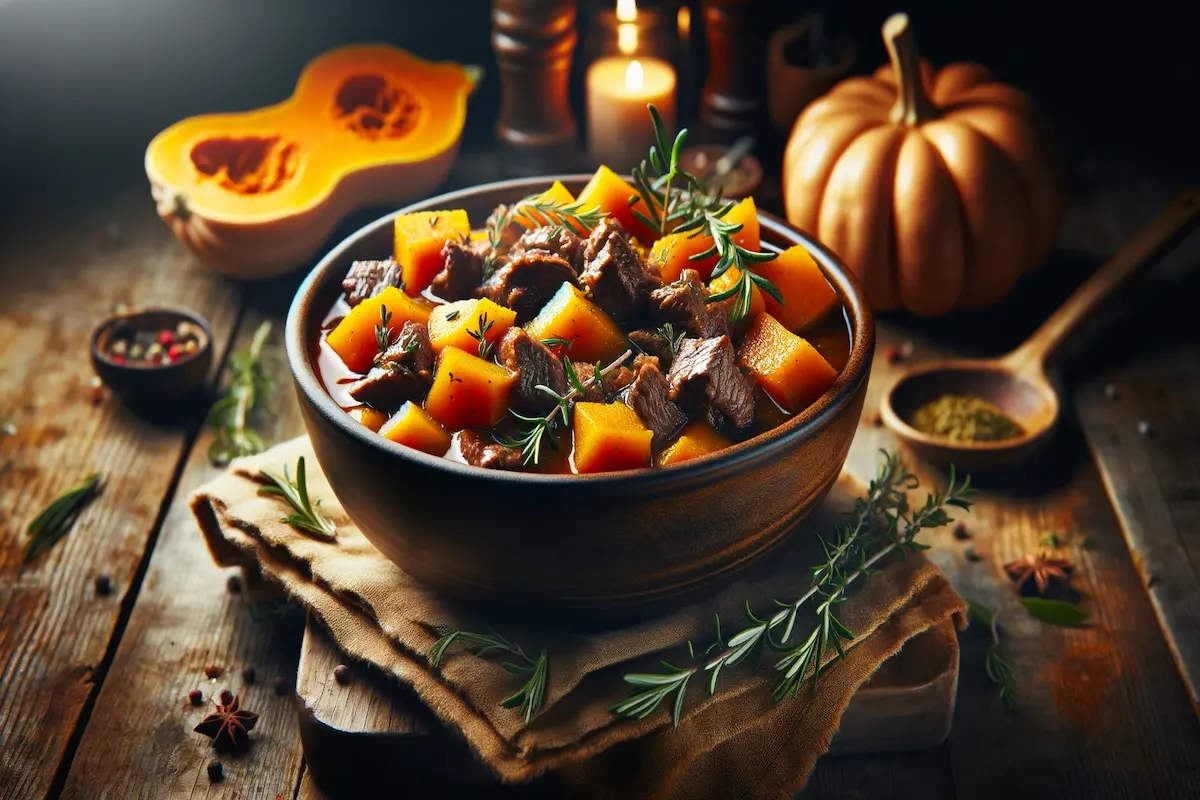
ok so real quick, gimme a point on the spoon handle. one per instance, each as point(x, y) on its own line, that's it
point(1174, 222)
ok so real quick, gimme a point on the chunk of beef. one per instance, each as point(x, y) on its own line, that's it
point(369, 278)
point(403, 372)
point(654, 343)
point(479, 449)
point(610, 386)
point(526, 282)
point(705, 374)
point(552, 239)
point(647, 396)
point(685, 303)
point(535, 365)
point(620, 281)
point(462, 275)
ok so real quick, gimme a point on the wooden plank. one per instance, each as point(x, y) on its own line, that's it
point(58, 283)
point(139, 740)
point(1099, 710)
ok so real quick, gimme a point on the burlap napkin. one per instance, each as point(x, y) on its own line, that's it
point(737, 743)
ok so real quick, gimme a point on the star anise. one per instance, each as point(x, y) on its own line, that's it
point(1043, 568)
point(229, 726)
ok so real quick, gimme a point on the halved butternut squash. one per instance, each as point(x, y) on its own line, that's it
point(419, 240)
point(450, 325)
point(608, 437)
point(569, 315)
point(697, 439)
point(412, 427)
point(784, 364)
point(255, 194)
point(354, 337)
point(467, 391)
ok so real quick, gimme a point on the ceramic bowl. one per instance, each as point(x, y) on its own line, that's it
point(597, 546)
point(151, 387)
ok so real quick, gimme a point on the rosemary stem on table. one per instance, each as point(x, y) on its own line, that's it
point(246, 393)
point(53, 522)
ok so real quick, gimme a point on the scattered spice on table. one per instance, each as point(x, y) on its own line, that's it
point(56, 519)
point(1044, 568)
point(212, 672)
point(341, 674)
point(230, 725)
point(891, 355)
point(234, 584)
point(249, 675)
point(906, 350)
point(1145, 428)
point(281, 686)
point(960, 532)
point(216, 771)
point(877, 420)
point(155, 347)
point(965, 418)
point(972, 555)
point(103, 586)
point(195, 697)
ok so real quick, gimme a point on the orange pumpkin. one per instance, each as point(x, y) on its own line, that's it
point(254, 194)
point(939, 188)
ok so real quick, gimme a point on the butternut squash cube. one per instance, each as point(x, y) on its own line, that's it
point(570, 315)
point(609, 192)
point(557, 194)
point(807, 295)
point(697, 439)
point(370, 417)
point(449, 325)
point(784, 364)
point(467, 391)
point(354, 337)
point(727, 280)
point(412, 427)
point(419, 240)
point(674, 252)
point(609, 437)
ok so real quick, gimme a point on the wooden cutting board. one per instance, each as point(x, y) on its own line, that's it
point(352, 734)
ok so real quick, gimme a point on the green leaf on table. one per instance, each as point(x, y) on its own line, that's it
point(1055, 612)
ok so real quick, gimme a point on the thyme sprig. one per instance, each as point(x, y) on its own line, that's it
point(537, 431)
point(53, 521)
point(530, 696)
point(383, 332)
point(233, 415)
point(673, 338)
point(480, 336)
point(998, 670)
point(879, 525)
point(307, 516)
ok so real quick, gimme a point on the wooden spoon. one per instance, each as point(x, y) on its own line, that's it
point(1018, 383)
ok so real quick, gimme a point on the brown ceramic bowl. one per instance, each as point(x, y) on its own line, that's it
point(581, 547)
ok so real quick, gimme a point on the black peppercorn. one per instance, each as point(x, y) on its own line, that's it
point(281, 686)
point(961, 533)
point(195, 697)
point(212, 672)
point(234, 584)
point(972, 555)
point(104, 586)
point(216, 771)
point(226, 697)
point(249, 675)
point(341, 674)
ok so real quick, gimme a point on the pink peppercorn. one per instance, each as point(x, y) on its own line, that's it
point(166, 337)
point(174, 351)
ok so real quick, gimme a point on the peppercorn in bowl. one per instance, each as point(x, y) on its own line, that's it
point(563, 407)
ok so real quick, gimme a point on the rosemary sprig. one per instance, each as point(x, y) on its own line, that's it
point(307, 516)
point(561, 215)
point(536, 431)
point(383, 333)
point(531, 694)
point(653, 178)
point(880, 524)
point(245, 395)
point(480, 336)
point(53, 522)
point(998, 670)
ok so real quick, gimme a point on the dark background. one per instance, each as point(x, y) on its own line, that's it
point(85, 84)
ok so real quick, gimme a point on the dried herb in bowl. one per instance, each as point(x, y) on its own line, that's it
point(965, 418)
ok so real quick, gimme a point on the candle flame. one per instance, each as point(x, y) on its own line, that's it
point(634, 76)
point(627, 38)
point(684, 19)
point(627, 10)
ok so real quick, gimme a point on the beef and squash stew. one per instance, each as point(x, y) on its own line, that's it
point(566, 337)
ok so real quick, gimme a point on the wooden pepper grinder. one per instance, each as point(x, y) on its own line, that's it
point(733, 101)
point(534, 41)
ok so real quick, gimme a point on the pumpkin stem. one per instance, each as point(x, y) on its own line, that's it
point(913, 105)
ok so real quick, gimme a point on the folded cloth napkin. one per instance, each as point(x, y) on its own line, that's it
point(736, 743)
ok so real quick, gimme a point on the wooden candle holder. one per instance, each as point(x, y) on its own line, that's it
point(733, 100)
point(534, 41)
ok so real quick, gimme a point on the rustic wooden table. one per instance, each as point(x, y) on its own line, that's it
point(93, 688)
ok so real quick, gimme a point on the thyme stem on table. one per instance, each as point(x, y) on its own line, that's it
point(53, 522)
point(530, 696)
point(307, 516)
point(879, 525)
point(231, 416)
point(998, 670)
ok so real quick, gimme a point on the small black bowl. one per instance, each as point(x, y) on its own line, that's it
point(144, 386)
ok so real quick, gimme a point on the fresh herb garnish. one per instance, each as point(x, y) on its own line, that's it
point(383, 332)
point(536, 431)
point(480, 336)
point(673, 338)
point(653, 177)
point(573, 376)
point(880, 524)
point(561, 214)
point(998, 670)
point(307, 516)
point(558, 343)
point(231, 417)
point(531, 694)
point(453, 315)
point(53, 522)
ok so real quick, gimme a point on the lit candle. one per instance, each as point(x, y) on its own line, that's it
point(619, 128)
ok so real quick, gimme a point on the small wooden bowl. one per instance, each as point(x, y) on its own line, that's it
point(582, 548)
point(145, 386)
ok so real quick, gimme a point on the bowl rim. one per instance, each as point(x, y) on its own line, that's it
point(802, 426)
